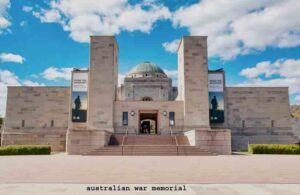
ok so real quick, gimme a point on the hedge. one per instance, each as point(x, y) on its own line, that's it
point(25, 150)
point(274, 149)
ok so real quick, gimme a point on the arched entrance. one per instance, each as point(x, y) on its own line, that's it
point(148, 122)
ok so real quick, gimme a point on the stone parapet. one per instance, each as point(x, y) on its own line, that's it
point(56, 138)
point(83, 141)
point(216, 141)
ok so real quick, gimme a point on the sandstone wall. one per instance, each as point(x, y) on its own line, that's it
point(258, 115)
point(158, 106)
point(83, 141)
point(193, 80)
point(103, 81)
point(296, 127)
point(37, 115)
point(216, 141)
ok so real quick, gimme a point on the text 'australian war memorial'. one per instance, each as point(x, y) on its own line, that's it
point(146, 114)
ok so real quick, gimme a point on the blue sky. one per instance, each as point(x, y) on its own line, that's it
point(256, 43)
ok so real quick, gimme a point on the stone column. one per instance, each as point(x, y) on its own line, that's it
point(103, 78)
point(193, 81)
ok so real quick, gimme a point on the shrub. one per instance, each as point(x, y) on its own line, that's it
point(274, 149)
point(25, 150)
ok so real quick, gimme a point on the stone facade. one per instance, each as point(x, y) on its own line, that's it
point(296, 127)
point(42, 115)
point(37, 115)
point(216, 141)
point(103, 82)
point(258, 115)
point(157, 106)
point(193, 80)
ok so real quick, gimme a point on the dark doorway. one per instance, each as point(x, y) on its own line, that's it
point(148, 123)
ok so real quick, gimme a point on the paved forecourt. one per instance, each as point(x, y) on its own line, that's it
point(62, 168)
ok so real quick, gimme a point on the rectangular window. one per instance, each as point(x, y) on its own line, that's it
point(125, 119)
point(172, 118)
point(23, 123)
point(243, 123)
point(52, 123)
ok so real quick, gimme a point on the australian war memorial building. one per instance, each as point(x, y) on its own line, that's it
point(98, 115)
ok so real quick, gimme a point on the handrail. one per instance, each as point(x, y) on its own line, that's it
point(176, 142)
point(123, 144)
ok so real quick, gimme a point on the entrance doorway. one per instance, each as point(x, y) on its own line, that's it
point(148, 122)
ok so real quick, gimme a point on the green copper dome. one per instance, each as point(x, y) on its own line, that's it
point(146, 67)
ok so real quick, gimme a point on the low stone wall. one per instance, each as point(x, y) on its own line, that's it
point(296, 127)
point(56, 138)
point(83, 141)
point(241, 137)
point(216, 141)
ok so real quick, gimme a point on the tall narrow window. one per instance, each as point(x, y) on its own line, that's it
point(23, 123)
point(172, 118)
point(272, 123)
point(52, 123)
point(125, 118)
point(243, 124)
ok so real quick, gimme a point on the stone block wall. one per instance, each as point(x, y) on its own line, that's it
point(83, 141)
point(258, 115)
point(56, 138)
point(158, 106)
point(36, 115)
point(103, 76)
point(37, 107)
point(193, 80)
point(216, 141)
point(296, 127)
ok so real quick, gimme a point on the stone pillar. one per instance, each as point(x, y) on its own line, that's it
point(103, 78)
point(193, 81)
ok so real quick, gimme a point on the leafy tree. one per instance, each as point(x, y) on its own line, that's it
point(1, 121)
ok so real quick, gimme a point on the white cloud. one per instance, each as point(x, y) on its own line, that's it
point(27, 8)
point(8, 78)
point(48, 16)
point(171, 46)
point(121, 77)
point(173, 74)
point(32, 83)
point(297, 98)
point(102, 17)
point(285, 72)
point(4, 21)
point(54, 73)
point(23, 23)
point(240, 27)
point(10, 57)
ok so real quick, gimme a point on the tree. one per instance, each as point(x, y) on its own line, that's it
point(1, 121)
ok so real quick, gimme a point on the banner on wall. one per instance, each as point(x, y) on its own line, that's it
point(216, 97)
point(79, 96)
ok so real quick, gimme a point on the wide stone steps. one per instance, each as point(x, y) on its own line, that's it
point(149, 145)
point(149, 150)
point(148, 140)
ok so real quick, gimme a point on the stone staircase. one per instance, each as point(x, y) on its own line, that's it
point(149, 145)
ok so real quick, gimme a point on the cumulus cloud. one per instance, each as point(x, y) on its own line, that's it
point(282, 72)
point(54, 73)
point(241, 27)
point(27, 8)
point(10, 57)
point(4, 21)
point(102, 17)
point(8, 78)
point(173, 74)
point(171, 46)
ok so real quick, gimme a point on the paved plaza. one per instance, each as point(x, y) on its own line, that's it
point(62, 168)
